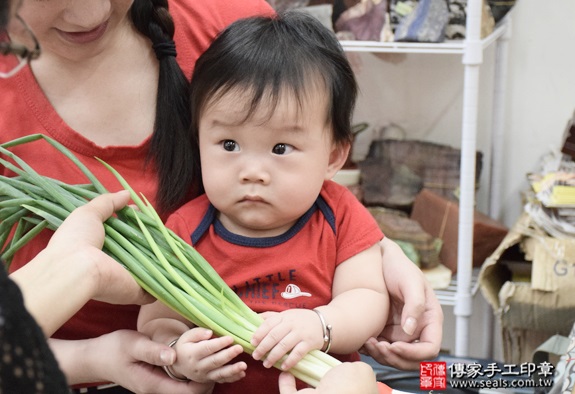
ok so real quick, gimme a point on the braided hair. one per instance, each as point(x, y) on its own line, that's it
point(172, 146)
point(4, 13)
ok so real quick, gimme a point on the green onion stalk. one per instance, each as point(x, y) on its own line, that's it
point(162, 263)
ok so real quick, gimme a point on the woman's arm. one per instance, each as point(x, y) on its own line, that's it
point(414, 329)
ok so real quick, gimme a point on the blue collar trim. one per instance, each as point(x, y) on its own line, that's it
point(211, 218)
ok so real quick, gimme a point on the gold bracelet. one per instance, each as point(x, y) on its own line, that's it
point(168, 368)
point(326, 332)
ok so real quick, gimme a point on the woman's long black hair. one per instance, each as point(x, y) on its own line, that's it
point(171, 148)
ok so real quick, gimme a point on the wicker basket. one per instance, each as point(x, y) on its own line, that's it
point(395, 171)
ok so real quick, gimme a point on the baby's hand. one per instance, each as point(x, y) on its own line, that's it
point(204, 359)
point(294, 331)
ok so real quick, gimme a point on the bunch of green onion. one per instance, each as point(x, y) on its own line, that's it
point(161, 262)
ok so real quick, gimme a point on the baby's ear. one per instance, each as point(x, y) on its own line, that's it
point(337, 158)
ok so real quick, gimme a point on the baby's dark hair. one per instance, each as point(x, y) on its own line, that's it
point(263, 56)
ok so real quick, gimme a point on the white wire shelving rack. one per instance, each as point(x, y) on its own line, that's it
point(464, 285)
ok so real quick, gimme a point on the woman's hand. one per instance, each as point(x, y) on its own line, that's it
point(125, 357)
point(414, 329)
point(80, 239)
point(72, 269)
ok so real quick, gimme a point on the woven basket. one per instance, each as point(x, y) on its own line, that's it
point(395, 171)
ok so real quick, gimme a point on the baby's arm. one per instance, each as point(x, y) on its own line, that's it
point(360, 302)
point(357, 312)
point(199, 357)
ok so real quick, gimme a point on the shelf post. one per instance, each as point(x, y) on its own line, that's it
point(498, 121)
point(472, 59)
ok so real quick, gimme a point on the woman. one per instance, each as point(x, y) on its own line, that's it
point(100, 89)
point(107, 85)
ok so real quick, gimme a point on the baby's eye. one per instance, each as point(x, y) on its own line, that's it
point(282, 149)
point(230, 145)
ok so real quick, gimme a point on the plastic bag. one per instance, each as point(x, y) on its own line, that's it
point(426, 23)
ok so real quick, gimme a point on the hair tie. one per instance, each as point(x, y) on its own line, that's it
point(166, 48)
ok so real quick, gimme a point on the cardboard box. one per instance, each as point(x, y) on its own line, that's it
point(519, 344)
point(440, 217)
point(528, 314)
point(553, 261)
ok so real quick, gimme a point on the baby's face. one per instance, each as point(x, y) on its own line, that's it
point(264, 172)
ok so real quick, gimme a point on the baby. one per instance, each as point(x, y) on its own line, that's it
point(272, 100)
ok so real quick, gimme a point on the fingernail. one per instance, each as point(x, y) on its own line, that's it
point(410, 326)
point(167, 357)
